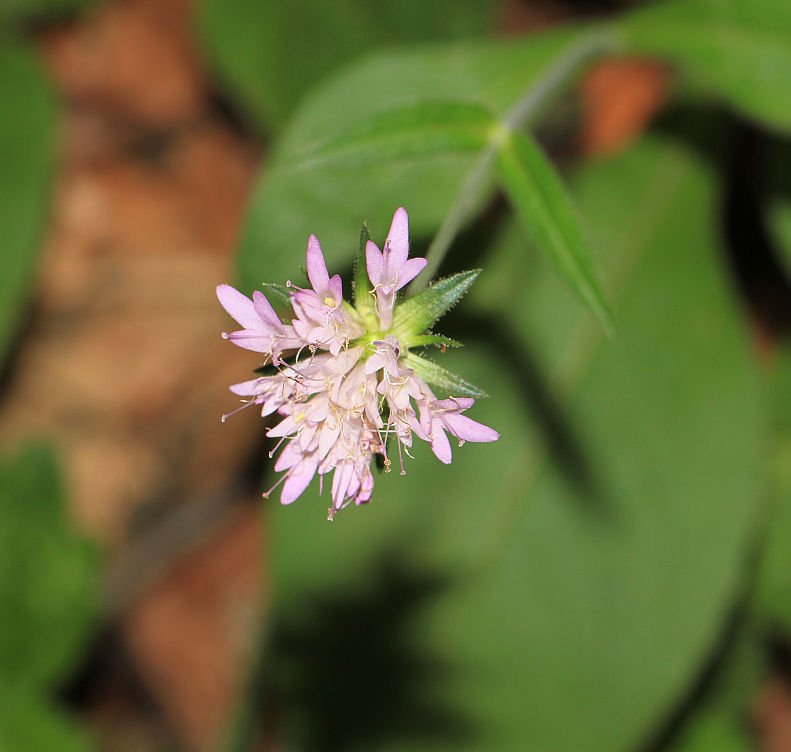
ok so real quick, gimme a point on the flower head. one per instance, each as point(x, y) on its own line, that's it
point(342, 379)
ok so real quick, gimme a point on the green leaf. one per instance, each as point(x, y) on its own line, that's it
point(29, 725)
point(413, 131)
point(269, 53)
point(435, 375)
point(544, 206)
point(416, 314)
point(47, 576)
point(437, 340)
point(278, 296)
point(736, 50)
point(447, 91)
point(26, 141)
point(773, 597)
point(601, 539)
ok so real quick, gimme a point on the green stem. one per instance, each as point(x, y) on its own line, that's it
point(535, 96)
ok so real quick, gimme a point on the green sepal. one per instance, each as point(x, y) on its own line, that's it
point(418, 313)
point(427, 339)
point(267, 370)
point(361, 285)
point(442, 378)
point(279, 297)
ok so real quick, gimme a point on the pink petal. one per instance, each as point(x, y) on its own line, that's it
point(252, 339)
point(335, 286)
point(327, 439)
point(239, 306)
point(264, 309)
point(440, 444)
point(341, 479)
point(410, 270)
point(457, 404)
point(366, 489)
point(290, 456)
point(317, 268)
point(469, 430)
point(297, 482)
point(374, 263)
point(248, 388)
point(398, 238)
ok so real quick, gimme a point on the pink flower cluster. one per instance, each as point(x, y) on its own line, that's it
point(340, 385)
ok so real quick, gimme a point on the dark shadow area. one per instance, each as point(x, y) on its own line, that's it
point(704, 689)
point(742, 155)
point(108, 691)
point(350, 677)
point(712, 685)
point(752, 253)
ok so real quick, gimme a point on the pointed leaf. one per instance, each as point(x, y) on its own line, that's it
point(435, 375)
point(280, 299)
point(416, 314)
point(542, 202)
point(438, 340)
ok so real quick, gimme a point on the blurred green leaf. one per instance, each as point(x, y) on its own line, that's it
point(26, 152)
point(28, 725)
point(587, 558)
point(720, 718)
point(443, 97)
point(773, 597)
point(269, 53)
point(47, 576)
point(543, 204)
point(737, 50)
point(417, 130)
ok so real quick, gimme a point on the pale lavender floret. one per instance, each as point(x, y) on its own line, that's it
point(389, 270)
point(330, 394)
point(321, 320)
point(259, 327)
point(446, 416)
point(320, 278)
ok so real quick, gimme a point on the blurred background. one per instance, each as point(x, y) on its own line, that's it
point(134, 555)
